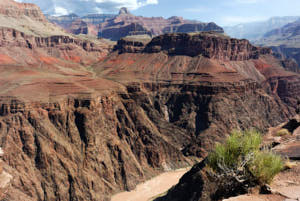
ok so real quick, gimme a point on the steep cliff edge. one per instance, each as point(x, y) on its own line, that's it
point(205, 77)
point(208, 44)
point(212, 45)
point(206, 56)
point(83, 149)
point(91, 146)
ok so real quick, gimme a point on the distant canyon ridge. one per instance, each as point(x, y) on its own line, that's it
point(278, 33)
point(281, 34)
point(124, 24)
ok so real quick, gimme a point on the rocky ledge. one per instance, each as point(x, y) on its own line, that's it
point(208, 44)
point(11, 37)
point(29, 49)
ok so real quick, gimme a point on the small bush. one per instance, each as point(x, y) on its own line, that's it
point(241, 156)
point(283, 132)
point(265, 166)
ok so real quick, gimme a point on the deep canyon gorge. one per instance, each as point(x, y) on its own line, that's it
point(83, 119)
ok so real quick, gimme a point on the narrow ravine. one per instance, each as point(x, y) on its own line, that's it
point(152, 188)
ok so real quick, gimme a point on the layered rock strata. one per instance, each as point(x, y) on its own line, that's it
point(211, 45)
point(78, 124)
point(28, 49)
point(155, 25)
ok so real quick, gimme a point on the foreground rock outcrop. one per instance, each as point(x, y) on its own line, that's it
point(200, 184)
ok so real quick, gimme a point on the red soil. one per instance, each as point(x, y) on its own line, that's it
point(49, 60)
point(4, 59)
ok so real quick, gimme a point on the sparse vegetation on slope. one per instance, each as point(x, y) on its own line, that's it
point(242, 158)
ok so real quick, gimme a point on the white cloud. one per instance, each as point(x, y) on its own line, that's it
point(60, 11)
point(152, 2)
point(82, 7)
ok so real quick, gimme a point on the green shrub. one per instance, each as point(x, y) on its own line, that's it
point(265, 166)
point(283, 132)
point(241, 154)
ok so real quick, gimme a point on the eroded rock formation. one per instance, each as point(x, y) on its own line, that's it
point(77, 123)
point(155, 25)
point(114, 27)
point(74, 24)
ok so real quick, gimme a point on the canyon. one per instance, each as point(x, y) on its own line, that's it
point(88, 24)
point(84, 118)
point(254, 31)
point(284, 41)
point(114, 27)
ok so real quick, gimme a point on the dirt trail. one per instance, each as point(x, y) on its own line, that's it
point(152, 188)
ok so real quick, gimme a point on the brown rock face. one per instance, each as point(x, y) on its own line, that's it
point(208, 44)
point(69, 151)
point(74, 24)
point(155, 25)
point(125, 24)
point(211, 45)
point(32, 49)
point(200, 185)
point(79, 27)
point(210, 81)
point(287, 88)
point(135, 44)
point(78, 124)
point(120, 32)
point(291, 65)
point(13, 9)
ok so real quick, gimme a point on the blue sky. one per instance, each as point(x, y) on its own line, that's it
point(223, 12)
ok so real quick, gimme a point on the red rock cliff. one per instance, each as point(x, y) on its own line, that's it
point(14, 9)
